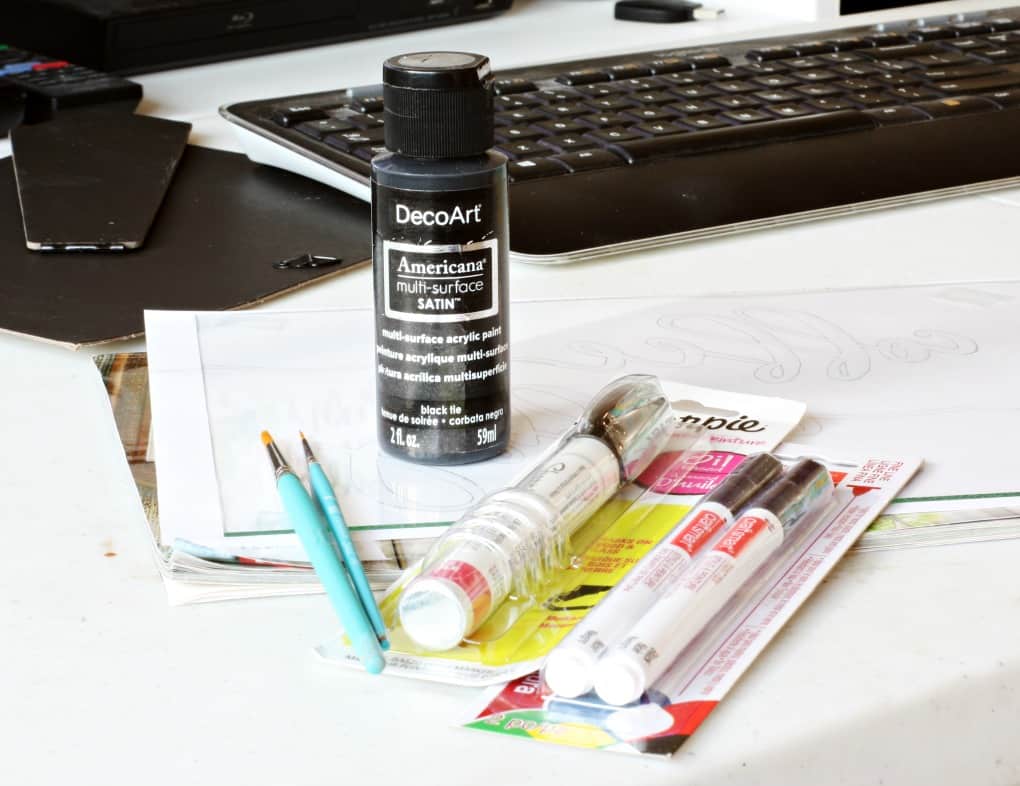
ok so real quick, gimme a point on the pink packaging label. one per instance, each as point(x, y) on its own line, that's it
point(669, 474)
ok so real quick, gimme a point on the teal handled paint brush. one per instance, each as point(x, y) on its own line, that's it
point(325, 557)
point(326, 497)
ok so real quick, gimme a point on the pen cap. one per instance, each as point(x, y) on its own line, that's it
point(438, 104)
point(804, 484)
point(632, 415)
point(745, 481)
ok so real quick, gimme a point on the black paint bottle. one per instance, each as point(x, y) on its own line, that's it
point(440, 256)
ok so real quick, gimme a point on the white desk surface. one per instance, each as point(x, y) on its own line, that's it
point(904, 668)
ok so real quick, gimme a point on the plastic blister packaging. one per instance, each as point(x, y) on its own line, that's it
point(508, 545)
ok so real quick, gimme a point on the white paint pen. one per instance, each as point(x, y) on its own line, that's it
point(570, 668)
point(655, 641)
point(510, 539)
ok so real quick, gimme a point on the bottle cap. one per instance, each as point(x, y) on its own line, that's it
point(436, 613)
point(567, 671)
point(438, 104)
point(619, 681)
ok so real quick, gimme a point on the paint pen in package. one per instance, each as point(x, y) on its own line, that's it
point(510, 541)
point(570, 668)
point(440, 257)
point(658, 637)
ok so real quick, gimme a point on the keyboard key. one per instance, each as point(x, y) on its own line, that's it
point(1005, 99)
point(903, 51)
point(804, 62)
point(931, 33)
point(982, 84)
point(764, 67)
point(885, 39)
point(1003, 23)
point(534, 168)
point(971, 27)
point(871, 98)
point(600, 89)
point(685, 79)
point(588, 159)
point(653, 98)
point(817, 75)
point(789, 110)
point(610, 135)
point(368, 152)
point(850, 43)
point(562, 126)
point(514, 85)
point(364, 121)
point(855, 69)
point(556, 95)
point(951, 107)
point(642, 85)
point(736, 86)
point(517, 150)
point(605, 120)
point(520, 116)
point(367, 104)
point(511, 102)
point(896, 80)
point(830, 104)
point(736, 102)
point(669, 65)
point(770, 53)
point(896, 115)
point(517, 133)
point(915, 93)
point(750, 135)
point(947, 58)
point(583, 76)
point(703, 122)
point(803, 48)
point(1003, 55)
point(568, 109)
point(841, 57)
point(962, 72)
point(968, 44)
point(288, 116)
point(707, 60)
point(694, 91)
point(777, 96)
point(649, 113)
point(661, 128)
point(567, 143)
point(747, 116)
point(723, 73)
point(818, 91)
point(857, 84)
point(692, 107)
point(628, 70)
point(348, 140)
point(319, 129)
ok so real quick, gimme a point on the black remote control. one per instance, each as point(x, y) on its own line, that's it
point(33, 88)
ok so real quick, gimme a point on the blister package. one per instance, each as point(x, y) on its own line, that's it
point(510, 579)
point(673, 663)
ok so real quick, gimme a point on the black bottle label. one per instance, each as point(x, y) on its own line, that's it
point(442, 344)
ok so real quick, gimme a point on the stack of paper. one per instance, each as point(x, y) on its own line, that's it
point(925, 370)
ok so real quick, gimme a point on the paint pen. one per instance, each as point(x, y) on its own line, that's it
point(655, 641)
point(570, 668)
point(509, 541)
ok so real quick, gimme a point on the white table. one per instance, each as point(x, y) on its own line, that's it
point(904, 668)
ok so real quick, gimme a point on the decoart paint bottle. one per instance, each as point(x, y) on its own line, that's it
point(440, 256)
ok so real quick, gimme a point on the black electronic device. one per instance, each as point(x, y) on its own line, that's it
point(638, 150)
point(133, 36)
point(35, 87)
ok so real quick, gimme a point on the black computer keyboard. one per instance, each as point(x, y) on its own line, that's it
point(636, 150)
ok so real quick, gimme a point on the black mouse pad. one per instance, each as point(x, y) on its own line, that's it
point(93, 180)
point(224, 225)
